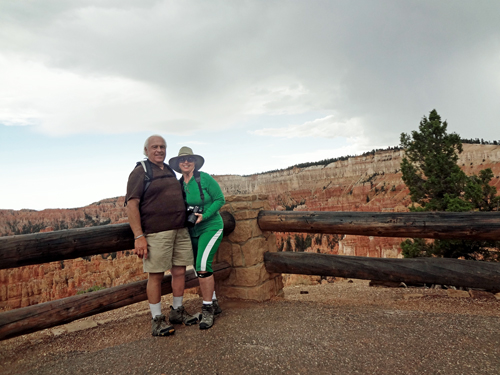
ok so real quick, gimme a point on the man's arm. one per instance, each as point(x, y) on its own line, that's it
point(134, 219)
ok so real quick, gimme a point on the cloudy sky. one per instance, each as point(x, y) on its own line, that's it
point(250, 85)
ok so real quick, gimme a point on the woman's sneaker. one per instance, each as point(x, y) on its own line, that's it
point(207, 316)
point(217, 309)
point(159, 326)
point(180, 316)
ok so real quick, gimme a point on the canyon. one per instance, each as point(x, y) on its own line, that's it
point(370, 182)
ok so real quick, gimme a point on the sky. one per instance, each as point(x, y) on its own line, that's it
point(251, 85)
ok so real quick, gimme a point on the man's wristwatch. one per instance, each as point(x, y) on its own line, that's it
point(139, 236)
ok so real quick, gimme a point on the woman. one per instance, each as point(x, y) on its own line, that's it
point(205, 226)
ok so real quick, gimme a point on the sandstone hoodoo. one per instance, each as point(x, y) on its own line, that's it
point(371, 182)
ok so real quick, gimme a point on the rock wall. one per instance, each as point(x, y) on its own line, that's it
point(244, 250)
point(30, 285)
point(25, 286)
point(364, 183)
point(107, 211)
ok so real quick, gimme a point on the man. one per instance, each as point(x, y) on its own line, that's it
point(156, 214)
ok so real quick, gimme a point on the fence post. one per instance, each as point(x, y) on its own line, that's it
point(244, 250)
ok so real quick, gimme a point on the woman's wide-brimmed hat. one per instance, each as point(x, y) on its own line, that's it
point(186, 151)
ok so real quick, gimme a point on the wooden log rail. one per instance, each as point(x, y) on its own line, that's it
point(437, 225)
point(49, 314)
point(37, 248)
point(442, 271)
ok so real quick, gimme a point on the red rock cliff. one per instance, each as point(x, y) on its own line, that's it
point(364, 183)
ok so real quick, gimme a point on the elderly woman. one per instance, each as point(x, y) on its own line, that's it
point(204, 199)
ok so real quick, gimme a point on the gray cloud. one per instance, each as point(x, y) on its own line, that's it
point(327, 127)
point(211, 64)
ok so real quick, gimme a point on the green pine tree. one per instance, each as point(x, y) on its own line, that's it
point(437, 183)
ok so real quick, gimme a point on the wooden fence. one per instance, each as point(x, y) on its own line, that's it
point(28, 249)
point(435, 225)
point(16, 251)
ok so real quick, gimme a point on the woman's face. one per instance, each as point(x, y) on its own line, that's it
point(186, 164)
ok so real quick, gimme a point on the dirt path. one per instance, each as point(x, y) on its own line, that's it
point(340, 328)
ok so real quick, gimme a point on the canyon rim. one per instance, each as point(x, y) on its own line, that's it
point(370, 182)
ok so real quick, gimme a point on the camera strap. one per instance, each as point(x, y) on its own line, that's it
point(197, 178)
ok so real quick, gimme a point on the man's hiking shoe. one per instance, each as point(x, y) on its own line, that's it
point(207, 316)
point(159, 326)
point(180, 316)
point(217, 309)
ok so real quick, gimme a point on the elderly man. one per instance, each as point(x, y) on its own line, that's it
point(156, 213)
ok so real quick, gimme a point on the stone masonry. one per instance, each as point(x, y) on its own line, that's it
point(244, 250)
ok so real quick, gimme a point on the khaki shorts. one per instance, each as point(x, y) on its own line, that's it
point(167, 249)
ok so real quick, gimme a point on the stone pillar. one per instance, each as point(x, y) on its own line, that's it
point(244, 250)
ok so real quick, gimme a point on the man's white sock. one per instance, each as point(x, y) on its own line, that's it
point(177, 302)
point(214, 297)
point(155, 309)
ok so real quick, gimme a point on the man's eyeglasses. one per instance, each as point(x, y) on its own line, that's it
point(189, 159)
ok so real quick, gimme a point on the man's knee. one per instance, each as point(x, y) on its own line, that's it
point(155, 276)
point(155, 279)
point(178, 271)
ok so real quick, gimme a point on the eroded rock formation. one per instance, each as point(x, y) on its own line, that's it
point(25, 286)
point(364, 183)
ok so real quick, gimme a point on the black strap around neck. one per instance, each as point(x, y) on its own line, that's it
point(197, 178)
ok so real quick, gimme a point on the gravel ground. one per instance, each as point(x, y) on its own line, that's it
point(341, 328)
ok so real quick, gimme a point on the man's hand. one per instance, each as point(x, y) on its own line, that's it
point(134, 219)
point(141, 247)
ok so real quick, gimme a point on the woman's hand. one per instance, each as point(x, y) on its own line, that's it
point(200, 218)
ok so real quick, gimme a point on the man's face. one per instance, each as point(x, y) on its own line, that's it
point(157, 151)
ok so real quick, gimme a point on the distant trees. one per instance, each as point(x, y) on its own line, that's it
point(481, 141)
point(325, 162)
point(300, 242)
point(437, 183)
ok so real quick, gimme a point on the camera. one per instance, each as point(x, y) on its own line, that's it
point(191, 217)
